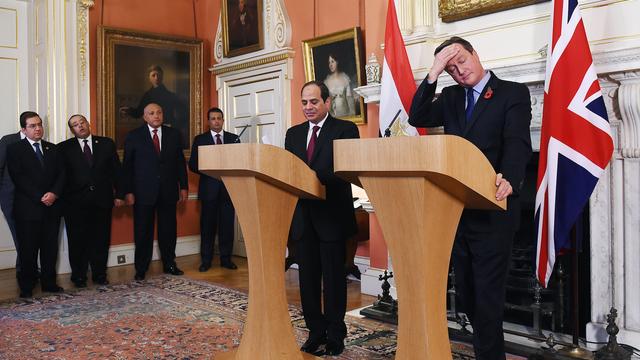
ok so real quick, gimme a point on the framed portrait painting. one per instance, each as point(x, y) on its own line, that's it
point(135, 69)
point(454, 10)
point(241, 26)
point(336, 59)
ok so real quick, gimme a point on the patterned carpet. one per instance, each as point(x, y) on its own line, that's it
point(162, 318)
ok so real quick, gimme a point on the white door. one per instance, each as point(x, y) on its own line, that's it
point(255, 106)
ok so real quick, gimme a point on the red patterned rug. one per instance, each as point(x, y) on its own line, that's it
point(162, 318)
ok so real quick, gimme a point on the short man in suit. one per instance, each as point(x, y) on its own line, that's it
point(321, 227)
point(92, 170)
point(7, 188)
point(36, 169)
point(155, 179)
point(216, 211)
point(494, 115)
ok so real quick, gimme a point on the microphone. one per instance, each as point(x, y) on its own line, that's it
point(387, 132)
point(244, 128)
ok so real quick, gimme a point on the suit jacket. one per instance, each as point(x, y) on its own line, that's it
point(332, 218)
point(209, 188)
point(499, 127)
point(32, 180)
point(149, 176)
point(6, 184)
point(91, 183)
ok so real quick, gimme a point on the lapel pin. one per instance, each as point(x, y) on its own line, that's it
point(489, 93)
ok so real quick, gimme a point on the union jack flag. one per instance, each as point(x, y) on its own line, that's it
point(575, 143)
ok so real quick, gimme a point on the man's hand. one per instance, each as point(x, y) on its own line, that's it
point(118, 202)
point(130, 199)
point(49, 198)
point(504, 188)
point(184, 194)
point(441, 60)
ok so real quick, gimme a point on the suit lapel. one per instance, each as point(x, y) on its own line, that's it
point(459, 104)
point(483, 101)
point(31, 155)
point(300, 141)
point(323, 138)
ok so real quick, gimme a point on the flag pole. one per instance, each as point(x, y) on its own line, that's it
point(575, 351)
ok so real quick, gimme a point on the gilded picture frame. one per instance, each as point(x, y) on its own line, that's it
point(135, 68)
point(242, 31)
point(337, 60)
point(454, 10)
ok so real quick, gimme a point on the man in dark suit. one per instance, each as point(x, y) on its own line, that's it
point(494, 115)
point(92, 171)
point(216, 211)
point(36, 169)
point(321, 227)
point(155, 179)
point(7, 188)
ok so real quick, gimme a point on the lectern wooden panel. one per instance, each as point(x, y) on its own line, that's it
point(418, 187)
point(264, 183)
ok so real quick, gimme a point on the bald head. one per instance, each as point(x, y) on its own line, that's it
point(153, 115)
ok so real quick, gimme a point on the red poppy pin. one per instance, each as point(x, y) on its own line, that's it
point(489, 93)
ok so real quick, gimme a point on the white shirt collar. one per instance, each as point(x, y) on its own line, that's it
point(151, 129)
point(320, 123)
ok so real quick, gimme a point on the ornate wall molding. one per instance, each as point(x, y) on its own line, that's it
point(277, 33)
point(628, 101)
point(82, 9)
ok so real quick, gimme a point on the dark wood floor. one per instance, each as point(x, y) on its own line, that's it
point(238, 279)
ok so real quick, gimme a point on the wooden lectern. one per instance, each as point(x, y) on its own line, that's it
point(418, 187)
point(264, 183)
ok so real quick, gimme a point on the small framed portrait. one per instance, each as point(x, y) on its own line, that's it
point(241, 26)
point(336, 59)
point(135, 69)
point(454, 10)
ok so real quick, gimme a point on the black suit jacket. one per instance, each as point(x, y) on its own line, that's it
point(91, 183)
point(152, 178)
point(209, 188)
point(6, 185)
point(333, 218)
point(32, 180)
point(499, 127)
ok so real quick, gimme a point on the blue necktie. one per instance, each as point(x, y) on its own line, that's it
point(470, 103)
point(39, 154)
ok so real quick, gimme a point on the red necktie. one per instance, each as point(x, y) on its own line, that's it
point(87, 151)
point(312, 143)
point(218, 140)
point(156, 141)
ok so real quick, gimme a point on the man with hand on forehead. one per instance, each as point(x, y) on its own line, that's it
point(494, 115)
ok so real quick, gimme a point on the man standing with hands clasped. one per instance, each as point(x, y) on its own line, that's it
point(155, 179)
point(36, 168)
point(216, 212)
point(321, 227)
point(494, 115)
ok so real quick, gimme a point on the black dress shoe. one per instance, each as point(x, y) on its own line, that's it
point(204, 268)
point(311, 345)
point(26, 294)
point(101, 281)
point(288, 262)
point(228, 264)
point(52, 288)
point(80, 283)
point(334, 348)
point(173, 270)
point(139, 276)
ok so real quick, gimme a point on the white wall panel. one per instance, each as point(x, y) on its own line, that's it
point(8, 27)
